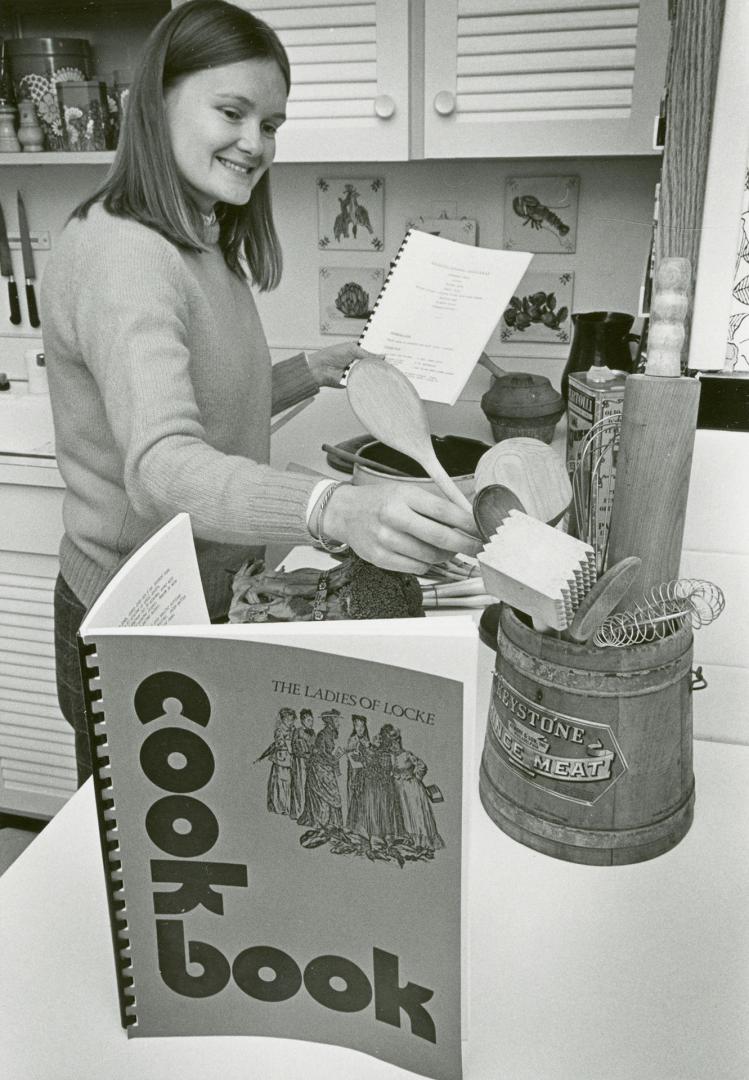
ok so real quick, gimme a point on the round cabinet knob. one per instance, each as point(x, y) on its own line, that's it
point(384, 106)
point(444, 103)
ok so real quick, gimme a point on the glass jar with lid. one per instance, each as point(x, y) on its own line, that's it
point(85, 114)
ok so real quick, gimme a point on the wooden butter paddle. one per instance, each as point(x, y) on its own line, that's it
point(386, 402)
point(603, 599)
point(534, 472)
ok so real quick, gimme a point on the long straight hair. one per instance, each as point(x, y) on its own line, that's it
point(144, 182)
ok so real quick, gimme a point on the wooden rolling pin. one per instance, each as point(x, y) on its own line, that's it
point(659, 417)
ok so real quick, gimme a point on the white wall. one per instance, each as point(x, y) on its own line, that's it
point(615, 211)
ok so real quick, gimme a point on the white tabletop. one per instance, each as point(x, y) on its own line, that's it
point(577, 972)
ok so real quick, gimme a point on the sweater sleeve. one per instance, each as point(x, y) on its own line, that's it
point(292, 382)
point(131, 321)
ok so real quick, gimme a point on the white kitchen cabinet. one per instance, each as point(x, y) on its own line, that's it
point(37, 757)
point(349, 99)
point(542, 78)
point(398, 80)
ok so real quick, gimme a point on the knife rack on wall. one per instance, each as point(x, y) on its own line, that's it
point(40, 241)
point(29, 269)
point(25, 240)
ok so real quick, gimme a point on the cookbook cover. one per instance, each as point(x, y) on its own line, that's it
point(282, 838)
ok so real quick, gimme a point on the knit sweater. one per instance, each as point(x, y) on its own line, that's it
point(162, 391)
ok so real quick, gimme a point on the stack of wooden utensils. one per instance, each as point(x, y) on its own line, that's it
point(522, 491)
point(639, 597)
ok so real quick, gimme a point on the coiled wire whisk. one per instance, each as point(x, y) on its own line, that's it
point(661, 612)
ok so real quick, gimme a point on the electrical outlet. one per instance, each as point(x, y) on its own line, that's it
point(40, 241)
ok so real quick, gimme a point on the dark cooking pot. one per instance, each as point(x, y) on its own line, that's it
point(457, 455)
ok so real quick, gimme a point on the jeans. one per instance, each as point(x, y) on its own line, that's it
point(69, 612)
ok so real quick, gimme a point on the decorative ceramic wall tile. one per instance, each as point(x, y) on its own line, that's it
point(351, 213)
point(463, 230)
point(347, 295)
point(541, 213)
point(540, 310)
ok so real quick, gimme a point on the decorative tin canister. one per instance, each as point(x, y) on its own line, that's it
point(37, 67)
point(588, 752)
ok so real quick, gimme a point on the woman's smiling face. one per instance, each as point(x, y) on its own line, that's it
point(222, 125)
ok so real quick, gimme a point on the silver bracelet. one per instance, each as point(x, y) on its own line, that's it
point(330, 546)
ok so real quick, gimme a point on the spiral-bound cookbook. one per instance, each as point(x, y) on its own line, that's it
point(438, 307)
point(281, 816)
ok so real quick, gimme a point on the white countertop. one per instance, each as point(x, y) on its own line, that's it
point(26, 424)
point(577, 972)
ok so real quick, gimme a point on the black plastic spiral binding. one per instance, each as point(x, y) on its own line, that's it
point(380, 294)
point(110, 850)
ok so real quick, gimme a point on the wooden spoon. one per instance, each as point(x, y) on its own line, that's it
point(486, 362)
point(387, 404)
point(491, 506)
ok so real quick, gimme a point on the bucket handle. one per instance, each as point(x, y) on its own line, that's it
point(699, 682)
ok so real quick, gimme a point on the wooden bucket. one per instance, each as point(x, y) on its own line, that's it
point(588, 752)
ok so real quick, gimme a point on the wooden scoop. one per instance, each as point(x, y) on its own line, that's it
point(491, 506)
point(387, 404)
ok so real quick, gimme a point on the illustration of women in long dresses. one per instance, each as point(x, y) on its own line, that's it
point(415, 807)
point(302, 742)
point(279, 778)
point(322, 797)
point(356, 747)
point(380, 818)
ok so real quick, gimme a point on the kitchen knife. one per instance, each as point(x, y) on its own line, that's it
point(6, 269)
point(28, 262)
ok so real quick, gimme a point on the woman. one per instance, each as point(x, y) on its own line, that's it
point(416, 809)
point(322, 796)
point(356, 748)
point(159, 371)
point(279, 777)
point(302, 743)
point(380, 818)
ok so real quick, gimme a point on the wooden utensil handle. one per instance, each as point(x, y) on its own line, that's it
point(358, 459)
point(447, 485)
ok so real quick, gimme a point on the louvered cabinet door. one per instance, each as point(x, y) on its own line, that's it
point(349, 69)
point(538, 78)
point(37, 758)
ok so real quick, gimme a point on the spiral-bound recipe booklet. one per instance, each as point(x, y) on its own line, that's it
point(437, 309)
point(281, 816)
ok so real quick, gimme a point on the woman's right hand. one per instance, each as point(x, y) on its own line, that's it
point(399, 526)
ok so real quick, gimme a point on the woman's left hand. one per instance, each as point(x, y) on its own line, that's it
point(328, 365)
